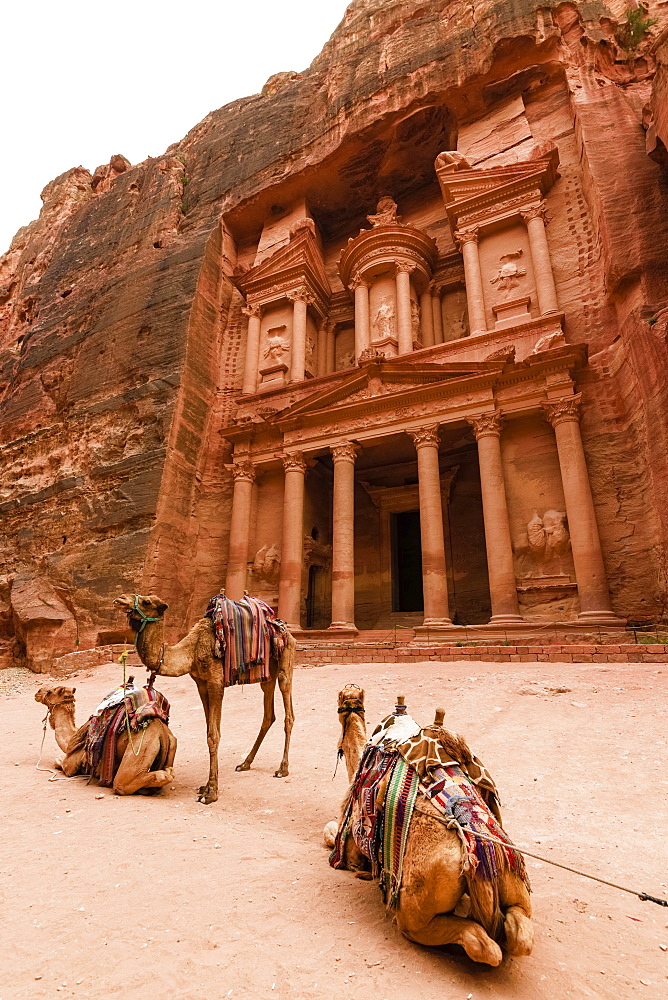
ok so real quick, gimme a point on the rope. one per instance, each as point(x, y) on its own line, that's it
point(55, 775)
point(576, 871)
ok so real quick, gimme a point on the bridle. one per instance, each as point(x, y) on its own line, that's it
point(144, 618)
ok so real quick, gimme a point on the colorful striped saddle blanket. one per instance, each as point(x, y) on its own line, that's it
point(246, 635)
point(389, 781)
point(109, 718)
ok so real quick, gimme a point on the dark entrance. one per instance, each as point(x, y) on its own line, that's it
point(311, 596)
point(406, 561)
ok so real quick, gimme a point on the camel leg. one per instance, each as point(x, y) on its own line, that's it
point(285, 684)
point(213, 710)
point(268, 719)
point(134, 774)
point(71, 763)
point(203, 691)
point(445, 928)
point(516, 906)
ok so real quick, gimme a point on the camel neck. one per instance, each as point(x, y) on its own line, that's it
point(62, 721)
point(352, 742)
point(149, 644)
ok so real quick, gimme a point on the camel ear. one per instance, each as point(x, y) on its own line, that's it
point(161, 608)
point(362, 695)
point(73, 690)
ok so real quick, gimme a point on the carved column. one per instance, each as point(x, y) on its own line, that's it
point(237, 563)
point(362, 327)
point(500, 567)
point(343, 536)
point(434, 576)
point(300, 300)
point(404, 318)
point(540, 256)
point(427, 319)
point(292, 545)
point(468, 244)
point(436, 314)
point(252, 362)
point(564, 415)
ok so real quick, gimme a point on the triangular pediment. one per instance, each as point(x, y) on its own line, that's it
point(299, 260)
point(383, 379)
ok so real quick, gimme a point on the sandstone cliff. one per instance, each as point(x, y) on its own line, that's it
point(121, 332)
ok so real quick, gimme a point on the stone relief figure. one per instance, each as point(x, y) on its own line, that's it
point(509, 274)
point(415, 319)
point(450, 160)
point(267, 564)
point(277, 345)
point(386, 213)
point(550, 340)
point(549, 541)
point(383, 324)
point(310, 352)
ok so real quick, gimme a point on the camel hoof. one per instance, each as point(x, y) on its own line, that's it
point(281, 773)
point(203, 789)
point(242, 767)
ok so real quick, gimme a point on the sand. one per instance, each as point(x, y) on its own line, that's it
point(163, 897)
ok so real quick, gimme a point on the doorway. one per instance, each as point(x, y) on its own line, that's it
point(406, 561)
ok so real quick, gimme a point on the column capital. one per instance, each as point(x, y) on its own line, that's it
point(531, 212)
point(463, 236)
point(405, 268)
point(357, 281)
point(301, 295)
point(252, 309)
point(426, 437)
point(347, 451)
point(294, 462)
point(435, 289)
point(487, 424)
point(561, 410)
point(244, 471)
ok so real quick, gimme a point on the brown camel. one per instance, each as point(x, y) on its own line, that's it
point(195, 655)
point(433, 885)
point(146, 764)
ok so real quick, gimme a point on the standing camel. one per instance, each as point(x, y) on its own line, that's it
point(195, 655)
point(150, 766)
point(434, 878)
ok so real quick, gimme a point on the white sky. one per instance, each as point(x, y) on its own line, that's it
point(81, 81)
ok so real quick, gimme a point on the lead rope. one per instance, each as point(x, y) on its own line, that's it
point(633, 892)
point(55, 775)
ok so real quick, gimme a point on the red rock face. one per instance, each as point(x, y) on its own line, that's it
point(122, 337)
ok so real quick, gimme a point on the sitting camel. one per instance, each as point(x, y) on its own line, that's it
point(433, 880)
point(147, 764)
point(195, 655)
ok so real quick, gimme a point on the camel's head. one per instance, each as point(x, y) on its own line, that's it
point(140, 609)
point(351, 701)
point(53, 697)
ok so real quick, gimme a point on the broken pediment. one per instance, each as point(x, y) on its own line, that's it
point(472, 194)
point(299, 262)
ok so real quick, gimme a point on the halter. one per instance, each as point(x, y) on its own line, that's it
point(144, 618)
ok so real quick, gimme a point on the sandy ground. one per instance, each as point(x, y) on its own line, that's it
point(137, 897)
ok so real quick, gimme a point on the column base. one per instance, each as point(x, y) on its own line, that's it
point(434, 625)
point(506, 620)
point(343, 629)
point(600, 618)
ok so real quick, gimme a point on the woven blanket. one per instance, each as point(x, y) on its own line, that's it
point(246, 635)
point(379, 808)
point(377, 815)
point(107, 722)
